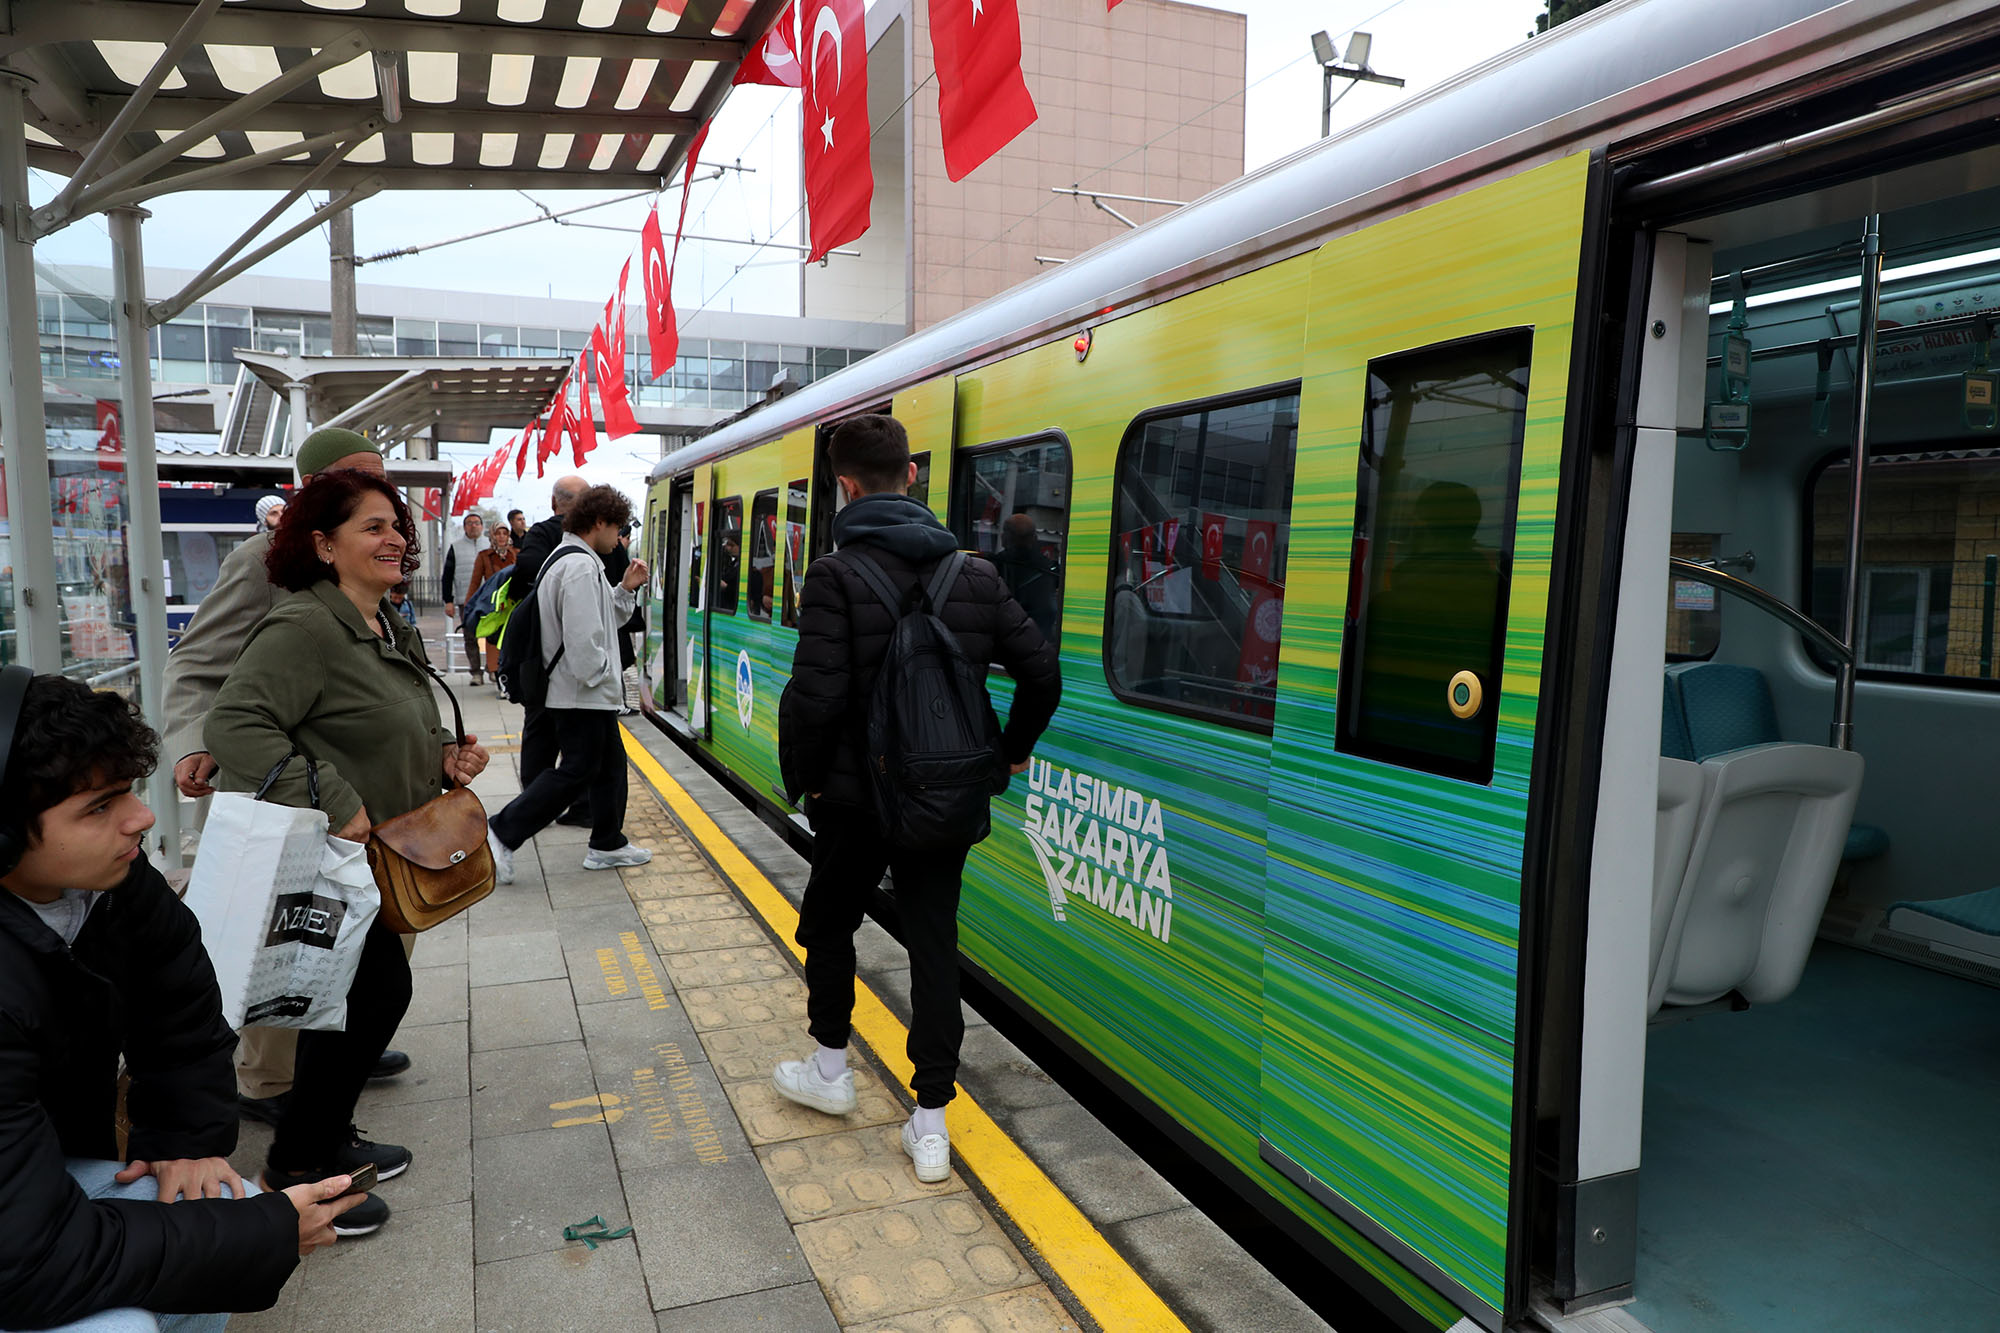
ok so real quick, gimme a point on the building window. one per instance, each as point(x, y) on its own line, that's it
point(1200, 526)
point(498, 339)
point(763, 554)
point(1930, 564)
point(1010, 503)
point(457, 339)
point(795, 550)
point(416, 337)
point(1432, 553)
point(728, 554)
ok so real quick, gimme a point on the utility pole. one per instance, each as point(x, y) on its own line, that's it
point(1355, 70)
point(341, 240)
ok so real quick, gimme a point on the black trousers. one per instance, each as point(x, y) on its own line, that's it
point(332, 1066)
point(592, 764)
point(849, 857)
point(541, 742)
point(475, 661)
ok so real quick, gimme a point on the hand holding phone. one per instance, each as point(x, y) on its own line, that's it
point(360, 1182)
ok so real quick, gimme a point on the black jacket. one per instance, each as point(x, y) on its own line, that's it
point(136, 981)
point(844, 634)
point(542, 538)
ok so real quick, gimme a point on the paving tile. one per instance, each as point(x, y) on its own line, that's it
point(726, 967)
point(1206, 1278)
point(581, 888)
point(876, 950)
point(402, 1258)
point(709, 1233)
point(728, 933)
point(656, 885)
point(681, 911)
point(288, 1316)
point(437, 995)
point(439, 1137)
point(829, 1175)
point(747, 1003)
point(501, 960)
point(800, 1308)
point(443, 945)
point(1029, 1310)
point(768, 1118)
point(524, 909)
point(1004, 1080)
point(912, 1256)
point(528, 1187)
point(612, 958)
point(602, 1290)
point(564, 836)
point(746, 1055)
point(1090, 1164)
point(527, 1013)
point(437, 1067)
point(675, 1109)
point(533, 1087)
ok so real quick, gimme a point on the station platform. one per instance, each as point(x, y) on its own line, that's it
point(597, 1047)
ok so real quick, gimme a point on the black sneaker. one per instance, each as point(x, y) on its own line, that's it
point(391, 1064)
point(269, 1110)
point(390, 1159)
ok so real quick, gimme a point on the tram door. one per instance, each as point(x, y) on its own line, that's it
point(693, 590)
point(677, 542)
point(1431, 427)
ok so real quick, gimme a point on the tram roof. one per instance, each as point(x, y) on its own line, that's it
point(1612, 75)
point(410, 94)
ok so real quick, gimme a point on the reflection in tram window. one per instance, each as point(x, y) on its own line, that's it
point(763, 554)
point(1200, 529)
point(920, 489)
point(1012, 506)
point(728, 554)
point(697, 586)
point(794, 551)
point(1433, 548)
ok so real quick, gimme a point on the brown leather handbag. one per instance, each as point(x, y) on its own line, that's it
point(432, 863)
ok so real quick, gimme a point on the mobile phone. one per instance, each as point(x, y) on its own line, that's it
point(363, 1181)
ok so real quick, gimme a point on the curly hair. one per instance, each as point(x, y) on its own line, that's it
point(321, 505)
point(72, 738)
point(599, 504)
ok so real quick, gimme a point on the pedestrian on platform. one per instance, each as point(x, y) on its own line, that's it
point(268, 510)
point(331, 674)
point(580, 614)
point(99, 962)
point(517, 527)
point(498, 555)
point(460, 558)
point(844, 633)
point(242, 596)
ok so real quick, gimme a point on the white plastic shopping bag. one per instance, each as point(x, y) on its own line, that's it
point(283, 911)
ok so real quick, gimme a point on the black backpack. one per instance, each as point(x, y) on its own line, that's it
point(933, 741)
point(524, 677)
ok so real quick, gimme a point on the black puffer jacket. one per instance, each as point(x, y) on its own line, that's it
point(844, 634)
point(137, 980)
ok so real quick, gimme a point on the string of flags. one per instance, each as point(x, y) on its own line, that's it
point(983, 104)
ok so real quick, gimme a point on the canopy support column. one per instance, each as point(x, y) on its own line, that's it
point(145, 548)
point(1857, 501)
point(31, 531)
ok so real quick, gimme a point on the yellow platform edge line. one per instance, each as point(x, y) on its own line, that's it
point(1095, 1273)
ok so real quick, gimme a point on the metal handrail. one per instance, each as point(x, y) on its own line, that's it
point(1763, 601)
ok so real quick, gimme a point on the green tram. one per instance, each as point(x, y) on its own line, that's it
point(1513, 814)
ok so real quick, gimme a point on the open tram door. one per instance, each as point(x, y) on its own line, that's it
point(1433, 438)
point(676, 542)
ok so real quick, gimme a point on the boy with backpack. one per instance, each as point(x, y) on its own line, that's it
point(882, 791)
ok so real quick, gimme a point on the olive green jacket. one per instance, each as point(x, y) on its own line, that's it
point(315, 676)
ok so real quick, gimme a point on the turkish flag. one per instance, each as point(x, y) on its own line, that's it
point(607, 353)
point(983, 101)
point(557, 428)
point(1213, 526)
point(840, 184)
point(520, 444)
point(583, 425)
point(662, 339)
point(1260, 548)
point(1172, 544)
point(110, 436)
point(773, 62)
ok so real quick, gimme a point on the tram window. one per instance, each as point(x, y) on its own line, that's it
point(1432, 556)
point(728, 555)
point(1930, 567)
point(763, 554)
point(696, 602)
point(1694, 611)
point(794, 551)
point(1010, 503)
point(1201, 522)
point(920, 489)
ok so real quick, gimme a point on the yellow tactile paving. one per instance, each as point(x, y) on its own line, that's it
point(889, 1252)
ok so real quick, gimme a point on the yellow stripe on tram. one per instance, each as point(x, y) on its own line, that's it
point(1099, 1277)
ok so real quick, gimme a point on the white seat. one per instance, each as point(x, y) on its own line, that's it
point(1681, 786)
point(1773, 824)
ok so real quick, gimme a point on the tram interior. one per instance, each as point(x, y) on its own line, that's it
point(1824, 1157)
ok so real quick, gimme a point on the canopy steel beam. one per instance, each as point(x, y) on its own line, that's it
point(222, 174)
point(311, 117)
point(403, 385)
point(121, 123)
point(369, 187)
point(416, 176)
point(337, 53)
point(41, 22)
point(165, 310)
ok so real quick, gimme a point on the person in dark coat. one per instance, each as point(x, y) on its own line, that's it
point(844, 632)
point(99, 959)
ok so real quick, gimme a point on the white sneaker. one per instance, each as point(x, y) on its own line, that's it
point(503, 860)
point(800, 1081)
point(931, 1153)
point(631, 854)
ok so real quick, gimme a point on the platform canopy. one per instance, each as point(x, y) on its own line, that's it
point(393, 399)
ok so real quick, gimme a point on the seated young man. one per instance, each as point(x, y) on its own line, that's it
point(98, 958)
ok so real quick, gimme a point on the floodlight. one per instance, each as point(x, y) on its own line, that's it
point(1357, 49)
point(1323, 48)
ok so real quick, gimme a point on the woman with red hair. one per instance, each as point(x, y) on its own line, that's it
point(332, 674)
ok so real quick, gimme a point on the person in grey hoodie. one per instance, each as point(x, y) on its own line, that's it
point(844, 632)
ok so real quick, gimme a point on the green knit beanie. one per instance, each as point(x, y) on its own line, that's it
point(327, 446)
